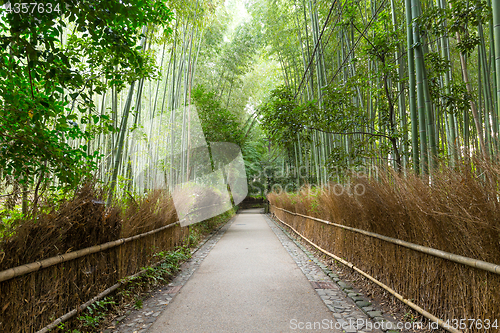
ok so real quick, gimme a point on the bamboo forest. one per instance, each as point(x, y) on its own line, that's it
point(133, 131)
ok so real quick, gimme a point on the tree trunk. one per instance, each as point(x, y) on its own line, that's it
point(120, 144)
point(401, 89)
point(452, 136)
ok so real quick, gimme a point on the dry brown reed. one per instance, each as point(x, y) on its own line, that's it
point(456, 211)
point(78, 223)
point(30, 302)
point(151, 212)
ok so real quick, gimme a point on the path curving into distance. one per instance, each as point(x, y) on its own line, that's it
point(249, 277)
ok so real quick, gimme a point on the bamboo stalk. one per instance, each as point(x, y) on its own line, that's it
point(496, 43)
point(421, 105)
point(450, 120)
point(401, 87)
point(473, 107)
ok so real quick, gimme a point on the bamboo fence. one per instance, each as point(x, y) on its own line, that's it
point(33, 295)
point(448, 286)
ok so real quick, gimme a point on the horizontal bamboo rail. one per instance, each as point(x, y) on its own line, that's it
point(412, 305)
point(82, 307)
point(85, 305)
point(35, 266)
point(479, 264)
point(117, 285)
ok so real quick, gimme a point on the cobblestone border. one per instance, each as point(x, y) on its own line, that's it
point(351, 309)
point(138, 321)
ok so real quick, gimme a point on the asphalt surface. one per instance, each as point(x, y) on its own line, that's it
point(247, 283)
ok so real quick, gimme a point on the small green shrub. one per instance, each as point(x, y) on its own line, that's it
point(96, 312)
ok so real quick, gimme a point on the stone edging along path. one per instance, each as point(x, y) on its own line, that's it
point(351, 309)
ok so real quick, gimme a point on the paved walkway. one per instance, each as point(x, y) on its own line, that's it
point(248, 283)
point(251, 277)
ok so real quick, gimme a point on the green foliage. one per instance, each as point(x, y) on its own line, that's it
point(218, 124)
point(237, 55)
point(96, 312)
point(282, 117)
point(338, 159)
point(137, 304)
point(385, 40)
point(48, 83)
point(173, 258)
point(170, 264)
point(342, 114)
point(462, 18)
point(9, 220)
point(436, 67)
point(226, 57)
point(62, 327)
point(458, 101)
point(253, 152)
point(193, 238)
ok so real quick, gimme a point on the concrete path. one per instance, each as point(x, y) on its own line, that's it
point(247, 283)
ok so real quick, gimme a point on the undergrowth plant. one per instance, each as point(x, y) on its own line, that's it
point(96, 312)
point(132, 292)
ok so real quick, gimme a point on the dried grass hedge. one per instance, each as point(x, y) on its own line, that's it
point(30, 302)
point(458, 213)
